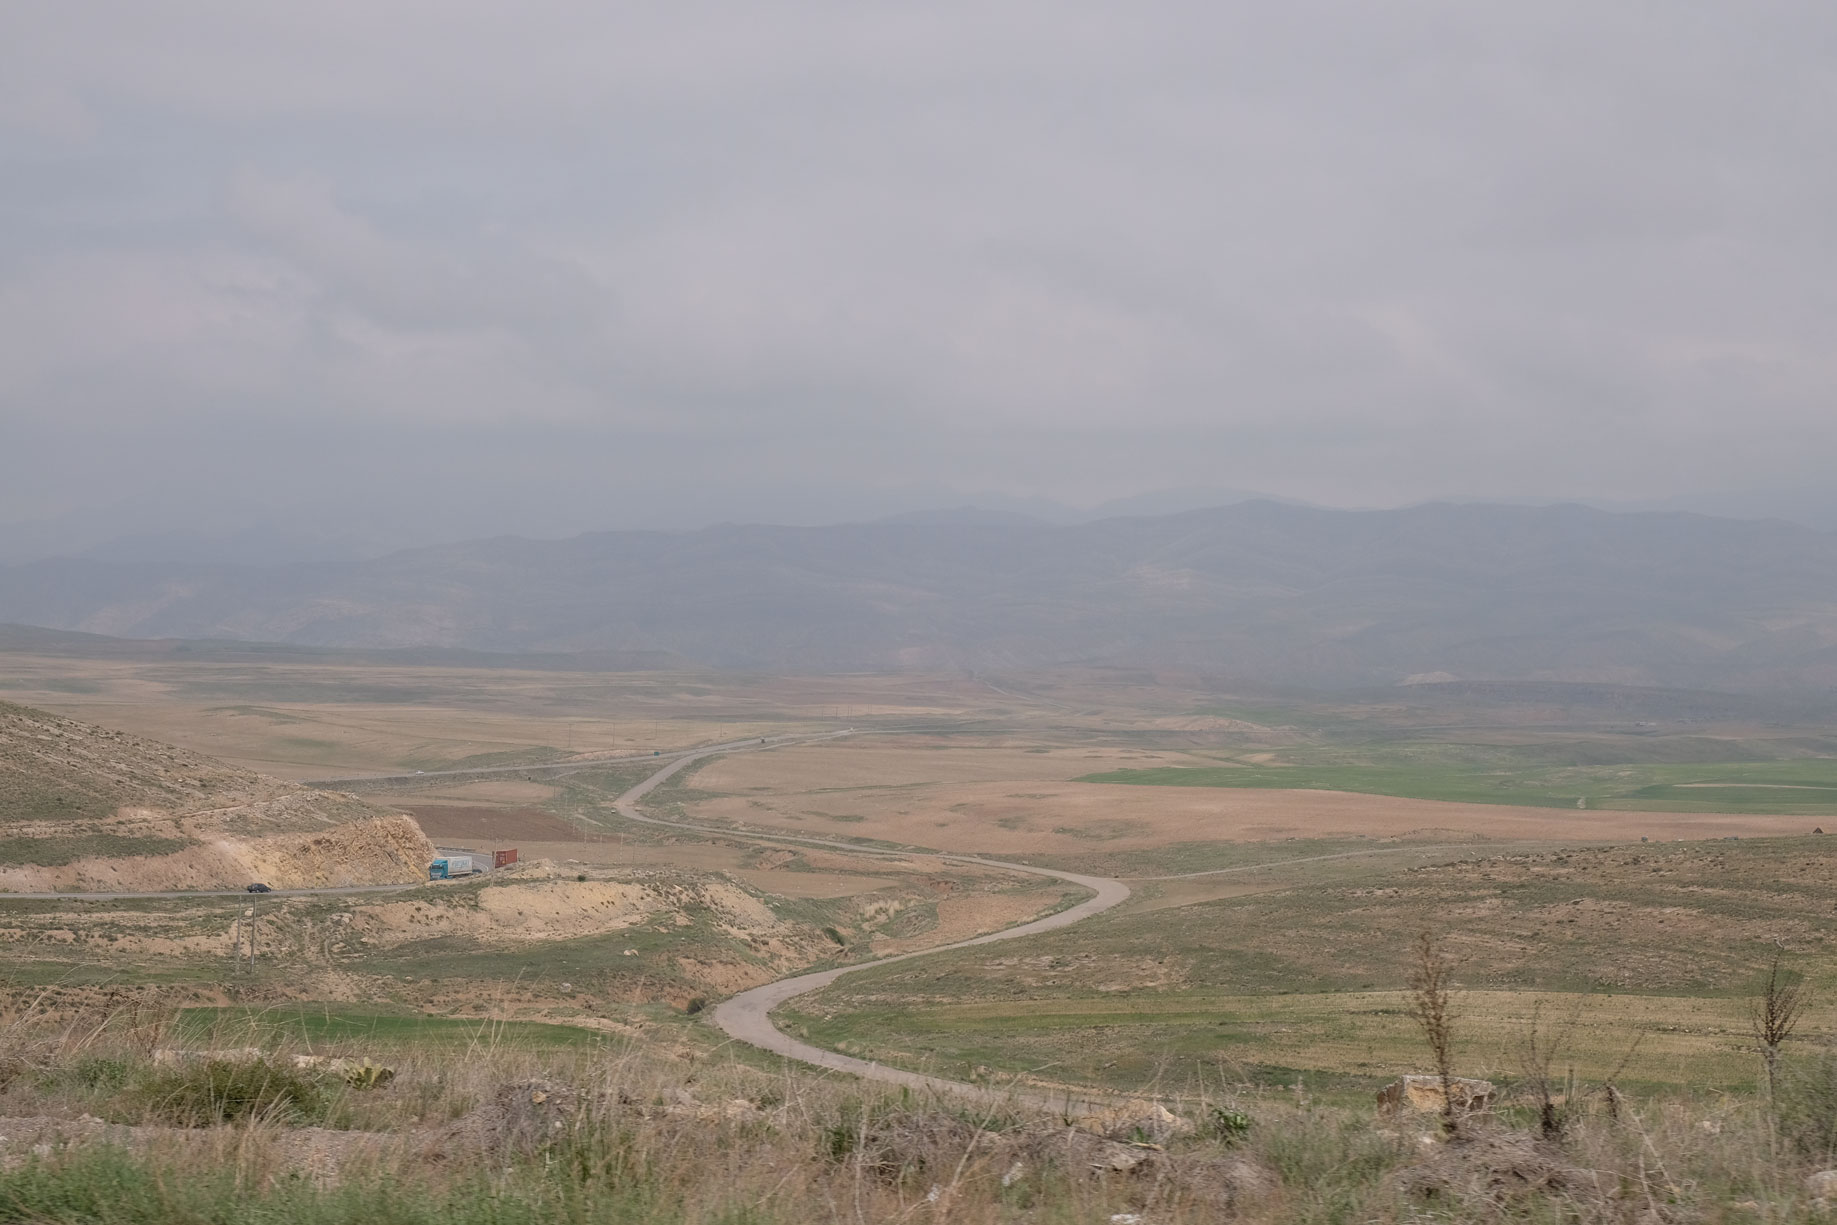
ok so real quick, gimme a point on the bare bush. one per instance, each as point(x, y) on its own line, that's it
point(1774, 1011)
point(1431, 1006)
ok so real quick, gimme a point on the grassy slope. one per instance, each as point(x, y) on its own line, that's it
point(63, 782)
point(676, 1133)
point(1661, 937)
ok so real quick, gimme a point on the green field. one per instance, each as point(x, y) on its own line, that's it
point(1806, 786)
point(1666, 939)
point(1345, 1042)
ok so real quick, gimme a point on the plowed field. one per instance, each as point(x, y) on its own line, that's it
point(1050, 817)
point(509, 826)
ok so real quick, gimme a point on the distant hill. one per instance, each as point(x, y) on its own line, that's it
point(1258, 592)
point(83, 807)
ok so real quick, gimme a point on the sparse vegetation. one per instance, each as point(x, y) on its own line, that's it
point(56, 851)
point(504, 1133)
point(204, 1092)
point(1261, 1006)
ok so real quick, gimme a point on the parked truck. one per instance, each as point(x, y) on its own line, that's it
point(447, 867)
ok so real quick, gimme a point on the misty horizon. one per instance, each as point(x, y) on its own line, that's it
point(268, 538)
point(389, 275)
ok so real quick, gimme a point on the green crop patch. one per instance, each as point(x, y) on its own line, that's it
point(1781, 788)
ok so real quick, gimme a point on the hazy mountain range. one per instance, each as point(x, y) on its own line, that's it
point(1261, 591)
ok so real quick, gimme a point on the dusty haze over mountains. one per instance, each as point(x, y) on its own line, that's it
point(298, 282)
point(1260, 592)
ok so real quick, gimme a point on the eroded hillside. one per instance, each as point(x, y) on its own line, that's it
point(84, 807)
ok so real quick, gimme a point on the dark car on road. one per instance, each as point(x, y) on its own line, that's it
point(258, 887)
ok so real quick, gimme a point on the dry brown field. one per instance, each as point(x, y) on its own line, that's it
point(492, 793)
point(306, 719)
point(506, 826)
point(1012, 801)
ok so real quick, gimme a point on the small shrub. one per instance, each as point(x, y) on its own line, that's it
point(102, 1072)
point(1806, 1102)
point(1228, 1127)
point(368, 1076)
point(897, 1144)
point(1327, 1156)
point(226, 1091)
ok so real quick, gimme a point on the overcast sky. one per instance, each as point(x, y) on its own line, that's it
point(439, 267)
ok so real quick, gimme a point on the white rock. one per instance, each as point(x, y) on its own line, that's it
point(1823, 1184)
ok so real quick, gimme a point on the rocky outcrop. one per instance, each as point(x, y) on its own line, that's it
point(381, 850)
point(1423, 1094)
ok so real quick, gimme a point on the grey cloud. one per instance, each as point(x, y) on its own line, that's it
point(728, 254)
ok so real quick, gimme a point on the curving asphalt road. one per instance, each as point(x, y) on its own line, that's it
point(746, 1017)
point(682, 758)
point(553, 767)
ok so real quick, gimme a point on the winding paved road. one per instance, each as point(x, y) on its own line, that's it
point(553, 767)
point(746, 1017)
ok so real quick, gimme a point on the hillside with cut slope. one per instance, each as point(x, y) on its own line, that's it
point(83, 807)
point(1259, 592)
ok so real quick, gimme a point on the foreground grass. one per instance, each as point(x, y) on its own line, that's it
point(508, 1136)
point(315, 1026)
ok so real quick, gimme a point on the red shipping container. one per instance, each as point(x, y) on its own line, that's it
point(502, 859)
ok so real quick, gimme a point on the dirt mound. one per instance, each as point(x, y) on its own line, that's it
point(518, 1119)
point(1426, 1095)
point(922, 1144)
point(378, 851)
point(1498, 1168)
point(83, 808)
point(383, 850)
